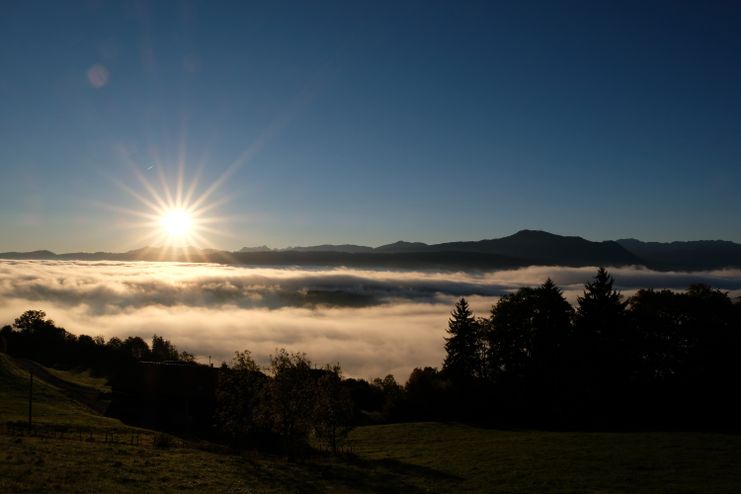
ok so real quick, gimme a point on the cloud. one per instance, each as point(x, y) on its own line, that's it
point(106, 287)
point(372, 322)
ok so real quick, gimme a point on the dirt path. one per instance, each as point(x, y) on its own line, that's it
point(90, 397)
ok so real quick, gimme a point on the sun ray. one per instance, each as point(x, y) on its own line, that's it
point(165, 186)
point(170, 219)
point(193, 185)
point(161, 203)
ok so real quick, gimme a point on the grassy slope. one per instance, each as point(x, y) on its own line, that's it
point(470, 459)
point(83, 378)
point(50, 406)
point(53, 464)
point(424, 457)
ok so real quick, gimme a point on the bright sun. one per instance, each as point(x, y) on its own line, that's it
point(176, 219)
point(177, 223)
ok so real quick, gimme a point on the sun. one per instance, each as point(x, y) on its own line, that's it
point(177, 223)
point(174, 218)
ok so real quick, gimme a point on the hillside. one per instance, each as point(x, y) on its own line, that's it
point(414, 458)
point(50, 404)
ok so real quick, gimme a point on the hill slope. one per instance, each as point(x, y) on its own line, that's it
point(50, 404)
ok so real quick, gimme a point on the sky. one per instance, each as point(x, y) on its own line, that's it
point(368, 122)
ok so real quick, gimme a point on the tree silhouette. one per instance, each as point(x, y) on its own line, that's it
point(32, 321)
point(289, 403)
point(526, 335)
point(239, 393)
point(427, 393)
point(601, 306)
point(4, 334)
point(136, 348)
point(40, 338)
point(333, 408)
point(602, 347)
point(463, 362)
point(163, 350)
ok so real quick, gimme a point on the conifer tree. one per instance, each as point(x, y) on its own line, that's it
point(463, 347)
point(603, 345)
point(601, 306)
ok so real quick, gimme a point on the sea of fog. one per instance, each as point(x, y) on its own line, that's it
point(373, 322)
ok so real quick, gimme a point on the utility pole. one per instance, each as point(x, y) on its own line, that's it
point(30, 398)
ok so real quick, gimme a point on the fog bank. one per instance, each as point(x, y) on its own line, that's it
point(373, 322)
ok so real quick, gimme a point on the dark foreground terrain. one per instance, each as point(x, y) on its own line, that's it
point(76, 450)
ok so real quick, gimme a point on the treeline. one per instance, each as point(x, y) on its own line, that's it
point(38, 338)
point(658, 358)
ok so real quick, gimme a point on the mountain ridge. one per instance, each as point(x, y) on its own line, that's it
point(523, 248)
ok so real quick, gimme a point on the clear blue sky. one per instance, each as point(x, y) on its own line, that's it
point(368, 122)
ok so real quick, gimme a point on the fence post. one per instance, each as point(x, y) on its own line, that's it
point(30, 398)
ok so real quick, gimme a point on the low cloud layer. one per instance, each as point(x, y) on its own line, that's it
point(373, 322)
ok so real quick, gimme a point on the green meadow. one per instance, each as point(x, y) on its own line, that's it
point(416, 457)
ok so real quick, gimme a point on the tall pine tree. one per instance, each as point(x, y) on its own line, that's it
point(463, 360)
point(603, 348)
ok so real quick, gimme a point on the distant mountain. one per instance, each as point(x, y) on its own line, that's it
point(547, 248)
point(261, 248)
point(402, 246)
point(393, 260)
point(536, 246)
point(346, 248)
point(687, 256)
point(36, 254)
point(524, 248)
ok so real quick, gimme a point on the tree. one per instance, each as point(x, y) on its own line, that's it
point(601, 308)
point(289, 401)
point(239, 392)
point(527, 333)
point(162, 349)
point(393, 396)
point(40, 339)
point(136, 347)
point(4, 333)
point(427, 395)
point(463, 362)
point(658, 319)
point(604, 349)
point(32, 321)
point(333, 408)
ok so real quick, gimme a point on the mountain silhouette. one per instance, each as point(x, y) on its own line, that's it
point(548, 248)
point(347, 248)
point(690, 255)
point(402, 246)
point(536, 246)
point(524, 248)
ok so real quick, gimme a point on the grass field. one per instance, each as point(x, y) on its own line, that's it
point(469, 459)
point(50, 405)
point(410, 458)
